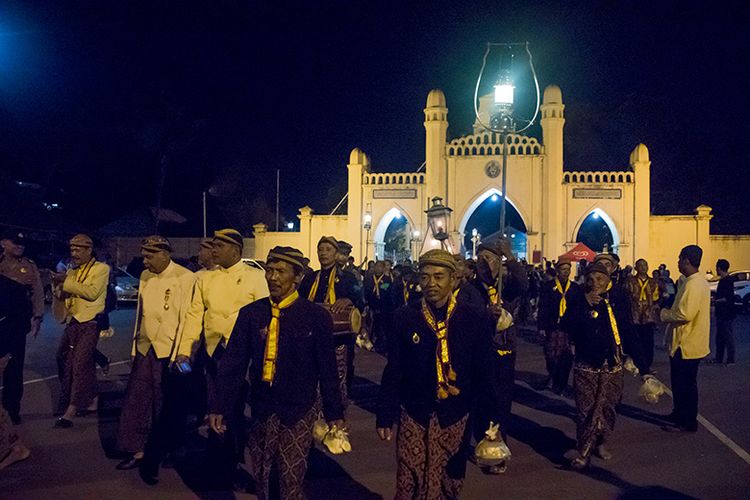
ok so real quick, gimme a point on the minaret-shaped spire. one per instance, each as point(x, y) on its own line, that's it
point(436, 127)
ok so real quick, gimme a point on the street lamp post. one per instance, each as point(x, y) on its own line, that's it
point(367, 225)
point(438, 217)
point(414, 245)
point(476, 239)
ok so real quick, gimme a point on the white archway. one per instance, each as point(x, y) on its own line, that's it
point(384, 223)
point(599, 213)
point(478, 200)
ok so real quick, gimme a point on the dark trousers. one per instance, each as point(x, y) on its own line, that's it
point(684, 377)
point(724, 339)
point(504, 374)
point(231, 446)
point(75, 362)
point(13, 374)
point(645, 334)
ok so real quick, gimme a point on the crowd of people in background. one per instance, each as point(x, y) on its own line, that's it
point(215, 333)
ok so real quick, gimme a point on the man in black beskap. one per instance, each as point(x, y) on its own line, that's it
point(289, 341)
point(439, 356)
point(725, 313)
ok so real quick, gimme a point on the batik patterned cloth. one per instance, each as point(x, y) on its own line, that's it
point(597, 393)
point(272, 442)
point(76, 368)
point(425, 456)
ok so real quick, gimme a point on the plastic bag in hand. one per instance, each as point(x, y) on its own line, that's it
point(337, 441)
point(651, 389)
point(630, 366)
point(492, 450)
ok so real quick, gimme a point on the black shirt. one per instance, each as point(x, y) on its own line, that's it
point(305, 357)
point(725, 290)
point(410, 377)
point(345, 286)
point(548, 314)
point(15, 312)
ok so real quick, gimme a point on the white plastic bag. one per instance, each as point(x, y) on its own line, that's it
point(492, 450)
point(651, 389)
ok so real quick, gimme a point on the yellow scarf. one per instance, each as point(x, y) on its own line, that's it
point(330, 293)
point(492, 292)
point(272, 339)
point(613, 324)
point(376, 284)
point(644, 287)
point(406, 292)
point(445, 373)
point(563, 300)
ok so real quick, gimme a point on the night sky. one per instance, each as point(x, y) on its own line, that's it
point(96, 96)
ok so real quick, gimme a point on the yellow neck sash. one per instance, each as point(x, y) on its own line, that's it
point(272, 339)
point(445, 374)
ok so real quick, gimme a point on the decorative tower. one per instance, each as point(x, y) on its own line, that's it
point(358, 165)
point(553, 121)
point(436, 127)
point(641, 165)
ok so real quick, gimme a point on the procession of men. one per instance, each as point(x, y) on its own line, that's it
point(281, 340)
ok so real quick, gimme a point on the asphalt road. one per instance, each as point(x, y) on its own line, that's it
point(79, 463)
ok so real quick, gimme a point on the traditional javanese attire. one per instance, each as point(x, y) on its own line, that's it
point(597, 332)
point(553, 302)
point(645, 298)
point(438, 360)
point(84, 292)
point(291, 348)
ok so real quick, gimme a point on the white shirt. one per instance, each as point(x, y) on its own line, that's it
point(163, 303)
point(690, 318)
point(219, 295)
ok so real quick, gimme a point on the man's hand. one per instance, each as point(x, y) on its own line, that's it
point(340, 423)
point(58, 278)
point(340, 305)
point(593, 298)
point(385, 433)
point(216, 422)
point(495, 310)
point(36, 326)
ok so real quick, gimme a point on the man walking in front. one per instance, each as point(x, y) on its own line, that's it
point(287, 342)
point(164, 295)
point(689, 319)
point(83, 291)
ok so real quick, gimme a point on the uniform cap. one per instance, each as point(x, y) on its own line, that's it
point(330, 240)
point(15, 236)
point(231, 236)
point(437, 257)
point(156, 243)
point(287, 254)
point(344, 247)
point(81, 240)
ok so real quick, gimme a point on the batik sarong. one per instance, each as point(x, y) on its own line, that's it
point(559, 358)
point(273, 443)
point(597, 392)
point(431, 461)
point(75, 362)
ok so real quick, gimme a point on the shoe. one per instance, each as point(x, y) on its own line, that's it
point(63, 423)
point(579, 463)
point(129, 463)
point(602, 452)
point(149, 472)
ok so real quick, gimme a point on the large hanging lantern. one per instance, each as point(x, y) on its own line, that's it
point(438, 217)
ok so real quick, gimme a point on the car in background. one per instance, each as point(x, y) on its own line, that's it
point(742, 298)
point(126, 286)
point(741, 278)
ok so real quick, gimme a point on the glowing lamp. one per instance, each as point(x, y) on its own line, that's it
point(438, 217)
point(504, 93)
point(368, 221)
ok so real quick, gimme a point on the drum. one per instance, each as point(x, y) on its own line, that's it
point(347, 321)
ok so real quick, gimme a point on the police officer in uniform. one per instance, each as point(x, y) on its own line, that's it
point(22, 270)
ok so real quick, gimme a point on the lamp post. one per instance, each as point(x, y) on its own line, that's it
point(367, 225)
point(438, 217)
point(476, 239)
point(414, 245)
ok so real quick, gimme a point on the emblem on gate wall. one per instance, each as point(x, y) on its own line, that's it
point(492, 169)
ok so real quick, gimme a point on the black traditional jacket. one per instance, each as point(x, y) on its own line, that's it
point(345, 286)
point(305, 358)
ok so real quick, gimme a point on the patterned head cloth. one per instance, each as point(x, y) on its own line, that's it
point(330, 240)
point(207, 244)
point(231, 236)
point(81, 240)
point(607, 256)
point(563, 260)
point(437, 257)
point(156, 243)
point(344, 247)
point(289, 255)
point(596, 267)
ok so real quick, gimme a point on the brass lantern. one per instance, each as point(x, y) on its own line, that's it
point(438, 217)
